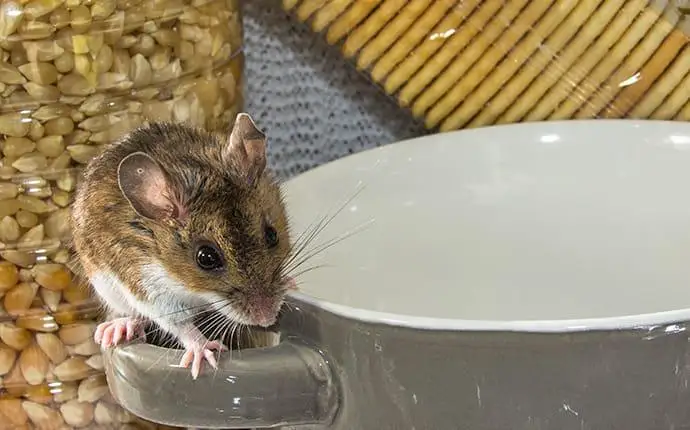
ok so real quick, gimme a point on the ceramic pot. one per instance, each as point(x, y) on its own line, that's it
point(530, 276)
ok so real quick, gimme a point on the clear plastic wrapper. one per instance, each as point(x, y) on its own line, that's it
point(471, 63)
point(75, 75)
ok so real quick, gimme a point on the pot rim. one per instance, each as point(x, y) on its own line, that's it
point(625, 322)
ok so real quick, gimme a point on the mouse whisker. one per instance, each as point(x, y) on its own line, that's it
point(315, 229)
point(323, 247)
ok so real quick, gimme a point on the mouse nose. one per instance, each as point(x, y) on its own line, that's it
point(263, 311)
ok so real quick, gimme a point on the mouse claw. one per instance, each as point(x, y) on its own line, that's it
point(196, 353)
point(111, 333)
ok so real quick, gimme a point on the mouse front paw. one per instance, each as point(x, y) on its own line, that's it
point(195, 353)
point(111, 333)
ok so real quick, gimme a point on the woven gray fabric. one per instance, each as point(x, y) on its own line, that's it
point(313, 105)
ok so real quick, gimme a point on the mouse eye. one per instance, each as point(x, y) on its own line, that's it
point(208, 257)
point(271, 236)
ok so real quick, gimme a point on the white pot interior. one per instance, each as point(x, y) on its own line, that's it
point(532, 223)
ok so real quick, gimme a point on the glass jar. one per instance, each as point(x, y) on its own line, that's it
point(75, 75)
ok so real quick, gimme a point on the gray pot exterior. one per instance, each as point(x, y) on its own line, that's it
point(372, 376)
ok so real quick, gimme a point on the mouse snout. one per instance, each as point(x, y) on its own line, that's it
point(263, 310)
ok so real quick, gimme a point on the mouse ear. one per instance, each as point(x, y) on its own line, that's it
point(246, 149)
point(146, 187)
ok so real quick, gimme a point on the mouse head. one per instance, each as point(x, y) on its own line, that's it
point(214, 217)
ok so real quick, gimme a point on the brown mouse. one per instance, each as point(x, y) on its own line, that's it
point(173, 219)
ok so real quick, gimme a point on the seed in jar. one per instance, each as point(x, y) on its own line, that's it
point(26, 219)
point(51, 146)
point(10, 74)
point(53, 348)
point(17, 146)
point(114, 81)
point(95, 362)
point(61, 198)
point(12, 413)
point(41, 73)
point(77, 137)
point(73, 369)
point(37, 320)
point(43, 416)
point(19, 298)
point(160, 58)
point(62, 257)
point(35, 205)
point(74, 84)
point(38, 8)
point(140, 72)
point(34, 364)
point(50, 298)
point(59, 126)
point(82, 64)
point(64, 63)
point(15, 337)
point(52, 276)
point(103, 8)
point(14, 125)
point(7, 359)
point(44, 93)
point(57, 224)
point(113, 27)
point(9, 232)
point(37, 131)
point(87, 348)
point(42, 50)
point(32, 239)
point(80, 18)
point(64, 391)
point(83, 153)
point(31, 162)
point(35, 30)
point(60, 18)
point(39, 393)
point(104, 60)
point(145, 45)
point(95, 42)
point(61, 162)
point(9, 275)
point(20, 258)
point(76, 293)
point(91, 389)
point(74, 334)
point(51, 111)
point(77, 414)
point(8, 190)
point(11, 15)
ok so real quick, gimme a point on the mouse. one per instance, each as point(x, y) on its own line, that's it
point(173, 219)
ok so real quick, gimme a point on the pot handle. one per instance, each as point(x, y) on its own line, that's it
point(287, 384)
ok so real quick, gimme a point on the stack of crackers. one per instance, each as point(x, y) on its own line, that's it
point(468, 63)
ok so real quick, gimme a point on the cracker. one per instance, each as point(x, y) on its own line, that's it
point(308, 8)
point(595, 67)
point(679, 97)
point(348, 21)
point(404, 45)
point(461, 83)
point(510, 81)
point(385, 39)
point(625, 72)
point(373, 24)
point(446, 30)
point(289, 4)
point(454, 52)
point(325, 16)
point(684, 114)
point(650, 72)
point(609, 23)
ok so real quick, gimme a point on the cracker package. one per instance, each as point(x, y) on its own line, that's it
point(469, 63)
